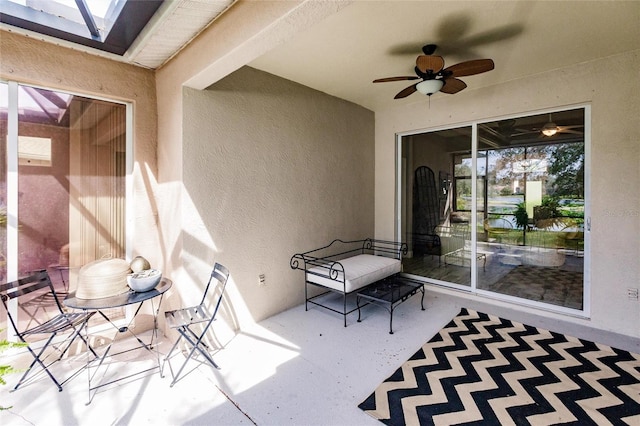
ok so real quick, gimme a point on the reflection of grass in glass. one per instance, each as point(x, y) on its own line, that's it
point(506, 236)
point(536, 238)
point(501, 210)
point(572, 211)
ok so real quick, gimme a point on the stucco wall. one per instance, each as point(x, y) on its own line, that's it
point(271, 168)
point(243, 33)
point(614, 168)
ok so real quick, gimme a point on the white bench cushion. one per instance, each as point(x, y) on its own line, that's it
point(361, 270)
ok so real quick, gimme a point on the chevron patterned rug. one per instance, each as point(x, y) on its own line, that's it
point(485, 370)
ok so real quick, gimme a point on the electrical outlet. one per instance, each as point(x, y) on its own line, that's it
point(632, 294)
point(261, 279)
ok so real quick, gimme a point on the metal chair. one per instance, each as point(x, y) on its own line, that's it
point(39, 306)
point(61, 323)
point(183, 319)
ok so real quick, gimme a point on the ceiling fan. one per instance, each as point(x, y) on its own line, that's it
point(435, 77)
point(551, 128)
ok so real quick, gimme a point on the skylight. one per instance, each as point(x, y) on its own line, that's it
point(108, 25)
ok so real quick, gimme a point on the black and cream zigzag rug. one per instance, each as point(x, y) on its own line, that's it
point(485, 370)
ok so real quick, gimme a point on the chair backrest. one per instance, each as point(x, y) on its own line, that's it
point(24, 286)
point(220, 274)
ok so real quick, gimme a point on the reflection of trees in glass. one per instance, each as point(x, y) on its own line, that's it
point(463, 193)
point(566, 165)
point(462, 170)
point(559, 166)
point(564, 175)
point(501, 196)
point(462, 181)
point(539, 154)
point(502, 163)
point(462, 174)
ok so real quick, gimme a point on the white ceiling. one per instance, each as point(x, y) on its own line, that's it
point(366, 40)
point(343, 54)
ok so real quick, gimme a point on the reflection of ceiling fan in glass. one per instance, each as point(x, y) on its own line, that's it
point(534, 129)
point(551, 129)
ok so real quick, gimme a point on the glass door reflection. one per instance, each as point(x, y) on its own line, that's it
point(437, 205)
point(529, 209)
point(533, 230)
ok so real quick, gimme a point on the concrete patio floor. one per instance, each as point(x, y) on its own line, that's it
point(295, 368)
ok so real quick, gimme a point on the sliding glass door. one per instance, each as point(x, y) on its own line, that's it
point(533, 230)
point(63, 189)
point(511, 216)
point(437, 205)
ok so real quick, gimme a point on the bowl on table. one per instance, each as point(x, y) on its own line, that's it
point(144, 280)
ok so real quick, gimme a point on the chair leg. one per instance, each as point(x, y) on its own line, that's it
point(206, 355)
point(194, 346)
point(36, 359)
point(196, 337)
point(168, 356)
point(72, 338)
point(177, 376)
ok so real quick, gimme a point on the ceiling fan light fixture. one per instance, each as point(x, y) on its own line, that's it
point(429, 87)
point(550, 129)
point(429, 66)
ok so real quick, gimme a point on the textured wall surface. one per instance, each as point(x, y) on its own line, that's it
point(240, 35)
point(613, 171)
point(271, 168)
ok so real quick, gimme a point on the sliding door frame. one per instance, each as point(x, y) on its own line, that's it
point(585, 312)
point(12, 178)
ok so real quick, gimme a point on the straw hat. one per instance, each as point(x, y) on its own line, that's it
point(103, 278)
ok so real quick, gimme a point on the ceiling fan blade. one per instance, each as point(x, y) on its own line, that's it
point(384, 80)
point(472, 67)
point(453, 85)
point(574, 132)
point(432, 64)
point(406, 92)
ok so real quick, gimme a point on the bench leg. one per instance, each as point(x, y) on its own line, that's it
point(344, 308)
point(306, 295)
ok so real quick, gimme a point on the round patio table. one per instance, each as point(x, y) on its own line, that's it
point(102, 305)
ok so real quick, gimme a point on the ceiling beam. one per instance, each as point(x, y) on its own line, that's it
point(37, 98)
point(52, 97)
point(88, 18)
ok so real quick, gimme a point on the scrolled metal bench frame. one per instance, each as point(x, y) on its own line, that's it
point(326, 264)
